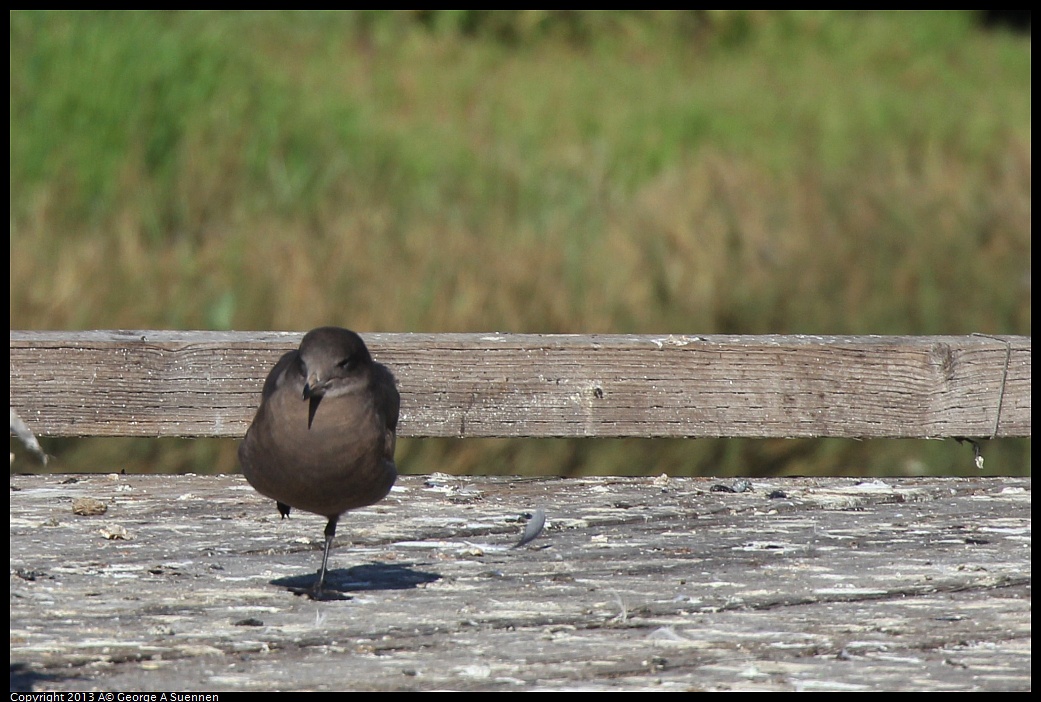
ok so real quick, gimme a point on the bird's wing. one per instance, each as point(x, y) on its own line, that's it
point(388, 404)
point(276, 376)
point(388, 401)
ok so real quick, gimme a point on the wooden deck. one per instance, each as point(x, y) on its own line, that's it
point(148, 583)
point(636, 584)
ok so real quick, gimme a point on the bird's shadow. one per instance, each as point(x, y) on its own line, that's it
point(25, 679)
point(371, 576)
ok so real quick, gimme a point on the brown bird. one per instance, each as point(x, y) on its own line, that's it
point(323, 438)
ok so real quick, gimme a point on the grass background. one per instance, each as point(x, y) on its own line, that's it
point(529, 171)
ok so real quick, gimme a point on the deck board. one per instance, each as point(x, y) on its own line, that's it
point(636, 584)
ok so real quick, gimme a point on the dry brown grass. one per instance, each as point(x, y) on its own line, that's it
point(829, 174)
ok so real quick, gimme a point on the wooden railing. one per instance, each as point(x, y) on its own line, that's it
point(166, 383)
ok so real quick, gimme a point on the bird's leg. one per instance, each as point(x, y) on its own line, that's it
point(330, 532)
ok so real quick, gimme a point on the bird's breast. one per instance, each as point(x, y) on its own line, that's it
point(332, 466)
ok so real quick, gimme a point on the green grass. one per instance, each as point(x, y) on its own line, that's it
point(740, 172)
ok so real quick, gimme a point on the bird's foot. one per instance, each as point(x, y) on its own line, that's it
point(319, 592)
point(323, 595)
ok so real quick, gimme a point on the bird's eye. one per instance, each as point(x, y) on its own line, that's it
point(346, 363)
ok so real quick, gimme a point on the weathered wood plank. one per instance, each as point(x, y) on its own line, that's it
point(636, 584)
point(159, 383)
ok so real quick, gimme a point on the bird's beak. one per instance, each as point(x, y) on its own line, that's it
point(312, 407)
point(313, 386)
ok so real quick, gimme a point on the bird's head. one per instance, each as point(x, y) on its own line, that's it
point(333, 362)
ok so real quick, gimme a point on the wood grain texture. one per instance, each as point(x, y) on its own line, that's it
point(636, 584)
point(162, 383)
